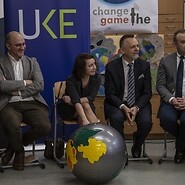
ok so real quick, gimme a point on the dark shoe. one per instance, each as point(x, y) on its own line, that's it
point(7, 156)
point(136, 151)
point(18, 163)
point(179, 157)
point(126, 159)
point(126, 163)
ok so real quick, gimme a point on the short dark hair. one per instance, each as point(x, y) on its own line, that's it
point(126, 36)
point(176, 33)
point(80, 63)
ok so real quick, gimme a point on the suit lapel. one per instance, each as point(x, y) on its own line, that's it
point(9, 69)
point(137, 68)
point(26, 67)
point(9, 73)
point(173, 66)
point(121, 72)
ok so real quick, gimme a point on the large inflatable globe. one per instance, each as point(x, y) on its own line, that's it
point(96, 153)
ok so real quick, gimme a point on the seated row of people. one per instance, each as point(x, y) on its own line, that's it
point(127, 95)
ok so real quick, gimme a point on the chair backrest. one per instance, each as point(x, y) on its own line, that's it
point(58, 92)
point(59, 89)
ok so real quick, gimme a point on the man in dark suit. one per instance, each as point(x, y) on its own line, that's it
point(172, 91)
point(21, 82)
point(117, 92)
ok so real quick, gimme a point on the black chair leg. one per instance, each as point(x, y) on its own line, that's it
point(144, 156)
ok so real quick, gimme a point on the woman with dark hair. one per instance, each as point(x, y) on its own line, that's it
point(81, 89)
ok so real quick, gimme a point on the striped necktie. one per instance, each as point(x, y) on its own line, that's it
point(131, 86)
point(179, 80)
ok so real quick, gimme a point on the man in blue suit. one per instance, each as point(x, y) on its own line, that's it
point(172, 108)
point(117, 108)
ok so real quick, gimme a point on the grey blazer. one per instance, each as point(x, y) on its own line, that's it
point(166, 77)
point(8, 84)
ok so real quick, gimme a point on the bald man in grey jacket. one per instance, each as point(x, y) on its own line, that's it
point(21, 82)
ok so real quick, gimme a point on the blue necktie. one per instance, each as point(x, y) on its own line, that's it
point(179, 80)
point(131, 86)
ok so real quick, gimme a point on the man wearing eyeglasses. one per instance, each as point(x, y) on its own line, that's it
point(21, 82)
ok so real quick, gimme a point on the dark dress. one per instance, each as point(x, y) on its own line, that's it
point(75, 90)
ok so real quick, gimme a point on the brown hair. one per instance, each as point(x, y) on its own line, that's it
point(80, 64)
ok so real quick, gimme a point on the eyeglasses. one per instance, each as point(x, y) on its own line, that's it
point(19, 45)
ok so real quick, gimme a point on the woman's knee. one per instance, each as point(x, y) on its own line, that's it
point(86, 107)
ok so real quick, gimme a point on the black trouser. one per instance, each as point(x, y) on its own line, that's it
point(143, 121)
point(173, 121)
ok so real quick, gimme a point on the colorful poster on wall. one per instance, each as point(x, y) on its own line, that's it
point(106, 48)
point(120, 16)
point(1, 27)
point(55, 34)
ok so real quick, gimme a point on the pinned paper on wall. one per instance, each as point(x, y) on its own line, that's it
point(106, 48)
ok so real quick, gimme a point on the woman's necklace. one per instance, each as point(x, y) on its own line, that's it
point(85, 82)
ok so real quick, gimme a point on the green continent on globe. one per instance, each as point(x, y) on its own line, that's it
point(82, 137)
